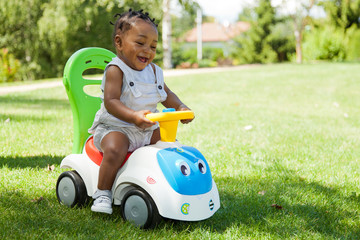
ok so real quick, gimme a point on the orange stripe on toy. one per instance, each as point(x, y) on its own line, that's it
point(93, 153)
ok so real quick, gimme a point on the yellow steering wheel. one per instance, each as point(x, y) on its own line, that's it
point(168, 121)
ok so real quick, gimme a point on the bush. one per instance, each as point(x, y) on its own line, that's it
point(181, 55)
point(269, 39)
point(353, 43)
point(324, 44)
point(44, 34)
point(210, 56)
point(189, 55)
point(213, 54)
point(8, 66)
point(207, 63)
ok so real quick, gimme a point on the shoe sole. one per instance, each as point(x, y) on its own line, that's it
point(102, 210)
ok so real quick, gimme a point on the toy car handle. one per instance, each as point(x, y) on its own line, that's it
point(168, 121)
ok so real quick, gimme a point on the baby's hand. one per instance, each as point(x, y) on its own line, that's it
point(141, 121)
point(183, 107)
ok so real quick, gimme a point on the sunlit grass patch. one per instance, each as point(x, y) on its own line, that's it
point(282, 142)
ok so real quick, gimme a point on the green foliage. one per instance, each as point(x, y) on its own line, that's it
point(325, 44)
point(353, 43)
point(8, 66)
point(332, 43)
point(188, 55)
point(282, 39)
point(44, 33)
point(267, 40)
point(184, 21)
point(159, 55)
point(209, 59)
point(18, 31)
point(62, 30)
point(178, 54)
point(336, 38)
point(342, 13)
point(213, 53)
point(207, 63)
point(247, 14)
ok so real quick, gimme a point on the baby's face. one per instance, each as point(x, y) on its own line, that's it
point(137, 46)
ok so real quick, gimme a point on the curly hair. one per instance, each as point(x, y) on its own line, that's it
point(125, 20)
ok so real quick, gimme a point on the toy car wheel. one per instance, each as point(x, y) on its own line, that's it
point(70, 189)
point(140, 209)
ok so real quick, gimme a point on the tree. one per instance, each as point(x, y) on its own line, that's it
point(299, 13)
point(66, 26)
point(18, 32)
point(336, 37)
point(255, 45)
point(343, 13)
point(166, 34)
point(247, 14)
point(44, 33)
point(189, 5)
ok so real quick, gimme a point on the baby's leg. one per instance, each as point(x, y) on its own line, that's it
point(114, 147)
point(155, 136)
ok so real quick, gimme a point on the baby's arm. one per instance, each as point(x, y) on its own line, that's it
point(112, 93)
point(173, 101)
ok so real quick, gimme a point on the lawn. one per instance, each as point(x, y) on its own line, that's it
point(282, 141)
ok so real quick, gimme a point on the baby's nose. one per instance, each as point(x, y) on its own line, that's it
point(147, 49)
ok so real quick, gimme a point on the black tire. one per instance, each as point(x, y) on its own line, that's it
point(140, 209)
point(71, 189)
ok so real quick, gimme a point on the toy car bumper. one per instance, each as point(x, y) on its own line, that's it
point(190, 207)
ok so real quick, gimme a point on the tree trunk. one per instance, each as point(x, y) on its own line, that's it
point(299, 15)
point(199, 34)
point(298, 49)
point(166, 34)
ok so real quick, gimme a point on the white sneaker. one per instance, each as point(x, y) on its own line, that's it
point(102, 202)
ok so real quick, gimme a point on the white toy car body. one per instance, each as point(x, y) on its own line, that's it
point(166, 179)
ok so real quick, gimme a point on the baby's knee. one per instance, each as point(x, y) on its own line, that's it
point(115, 154)
point(116, 151)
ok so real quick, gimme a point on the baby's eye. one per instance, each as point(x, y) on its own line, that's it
point(202, 166)
point(140, 43)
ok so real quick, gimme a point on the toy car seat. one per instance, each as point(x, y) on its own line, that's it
point(83, 105)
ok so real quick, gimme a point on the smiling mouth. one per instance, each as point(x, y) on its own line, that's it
point(143, 59)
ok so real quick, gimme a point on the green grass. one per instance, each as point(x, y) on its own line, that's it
point(30, 82)
point(302, 153)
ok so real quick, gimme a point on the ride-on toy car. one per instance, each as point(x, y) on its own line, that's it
point(166, 179)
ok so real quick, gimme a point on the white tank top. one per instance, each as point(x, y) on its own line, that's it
point(141, 90)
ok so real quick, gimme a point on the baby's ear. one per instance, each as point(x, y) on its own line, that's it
point(118, 41)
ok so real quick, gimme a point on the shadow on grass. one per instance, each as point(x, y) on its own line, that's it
point(280, 210)
point(30, 162)
point(25, 218)
point(303, 208)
